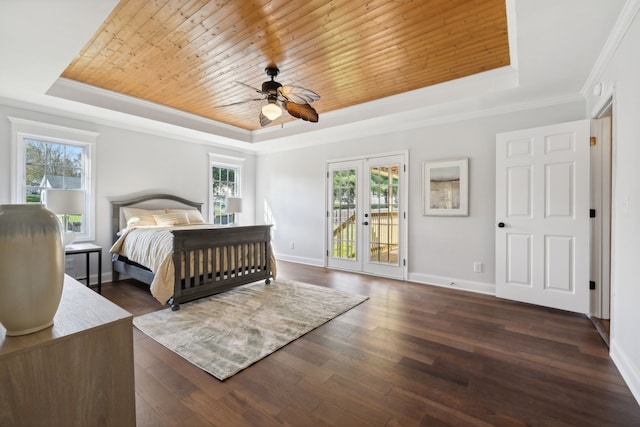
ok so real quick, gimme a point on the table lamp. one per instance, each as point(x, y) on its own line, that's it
point(233, 206)
point(65, 202)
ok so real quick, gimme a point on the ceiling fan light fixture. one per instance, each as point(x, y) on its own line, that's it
point(272, 110)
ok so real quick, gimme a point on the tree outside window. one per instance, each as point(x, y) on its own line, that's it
point(54, 165)
point(224, 181)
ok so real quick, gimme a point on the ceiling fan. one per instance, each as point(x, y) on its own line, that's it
point(294, 99)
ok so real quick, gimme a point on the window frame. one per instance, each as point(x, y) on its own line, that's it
point(221, 161)
point(22, 129)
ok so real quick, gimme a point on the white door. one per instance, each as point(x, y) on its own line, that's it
point(366, 216)
point(542, 216)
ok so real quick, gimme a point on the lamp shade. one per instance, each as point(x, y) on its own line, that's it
point(62, 202)
point(233, 205)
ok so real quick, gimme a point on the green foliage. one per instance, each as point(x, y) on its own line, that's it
point(47, 158)
point(223, 185)
point(344, 187)
point(383, 185)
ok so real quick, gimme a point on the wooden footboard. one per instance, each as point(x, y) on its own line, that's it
point(208, 262)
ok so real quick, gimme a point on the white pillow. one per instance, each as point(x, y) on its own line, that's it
point(171, 219)
point(194, 215)
point(136, 217)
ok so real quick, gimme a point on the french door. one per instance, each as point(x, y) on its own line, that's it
point(366, 215)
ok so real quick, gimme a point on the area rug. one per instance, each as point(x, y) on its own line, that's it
point(225, 333)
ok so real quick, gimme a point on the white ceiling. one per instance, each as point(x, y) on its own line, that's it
point(554, 46)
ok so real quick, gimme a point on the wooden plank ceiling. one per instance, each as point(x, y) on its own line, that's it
point(189, 54)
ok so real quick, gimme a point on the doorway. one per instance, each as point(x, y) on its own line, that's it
point(366, 215)
point(601, 203)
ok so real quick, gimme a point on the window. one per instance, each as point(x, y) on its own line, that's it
point(225, 173)
point(54, 157)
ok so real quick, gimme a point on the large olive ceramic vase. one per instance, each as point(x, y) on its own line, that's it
point(31, 268)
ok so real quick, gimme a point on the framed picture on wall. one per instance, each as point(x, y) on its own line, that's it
point(445, 187)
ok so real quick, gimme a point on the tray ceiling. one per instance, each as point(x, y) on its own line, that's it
point(190, 54)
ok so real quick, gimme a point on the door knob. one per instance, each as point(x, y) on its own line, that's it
point(501, 225)
point(365, 223)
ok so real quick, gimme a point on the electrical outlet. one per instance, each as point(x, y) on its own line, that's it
point(477, 267)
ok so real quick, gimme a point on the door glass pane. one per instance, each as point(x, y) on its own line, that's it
point(383, 210)
point(343, 216)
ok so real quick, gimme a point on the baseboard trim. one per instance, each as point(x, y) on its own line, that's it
point(453, 283)
point(301, 260)
point(425, 279)
point(629, 372)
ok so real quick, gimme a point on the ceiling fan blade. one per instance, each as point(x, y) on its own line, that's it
point(239, 102)
point(298, 94)
point(250, 87)
point(264, 120)
point(302, 111)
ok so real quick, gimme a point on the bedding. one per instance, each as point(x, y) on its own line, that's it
point(135, 217)
point(152, 247)
point(138, 217)
point(171, 219)
point(193, 215)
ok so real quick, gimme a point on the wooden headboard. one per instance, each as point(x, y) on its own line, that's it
point(149, 201)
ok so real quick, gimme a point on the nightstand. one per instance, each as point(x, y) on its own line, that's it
point(87, 249)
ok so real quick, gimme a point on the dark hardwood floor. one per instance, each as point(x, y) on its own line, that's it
point(411, 355)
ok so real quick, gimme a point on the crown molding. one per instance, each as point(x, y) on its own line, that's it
point(620, 28)
point(404, 122)
point(97, 115)
point(113, 101)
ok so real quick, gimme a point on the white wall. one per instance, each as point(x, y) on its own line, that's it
point(623, 73)
point(130, 163)
point(442, 250)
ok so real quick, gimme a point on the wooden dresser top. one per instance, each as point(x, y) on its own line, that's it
point(80, 309)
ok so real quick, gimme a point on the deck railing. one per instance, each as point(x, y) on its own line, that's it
point(383, 232)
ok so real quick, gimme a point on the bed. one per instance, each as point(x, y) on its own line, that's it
point(163, 241)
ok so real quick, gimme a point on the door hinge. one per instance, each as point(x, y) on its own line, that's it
point(404, 215)
point(327, 253)
point(404, 262)
point(592, 213)
point(593, 141)
point(327, 174)
point(404, 168)
point(592, 285)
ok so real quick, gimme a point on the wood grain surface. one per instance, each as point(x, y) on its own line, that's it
point(79, 372)
point(412, 355)
point(189, 54)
